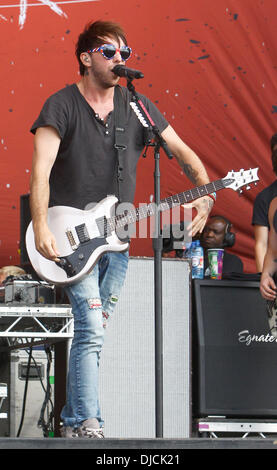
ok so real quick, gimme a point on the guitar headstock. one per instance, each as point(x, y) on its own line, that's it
point(242, 178)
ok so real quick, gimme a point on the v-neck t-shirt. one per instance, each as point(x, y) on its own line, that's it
point(86, 168)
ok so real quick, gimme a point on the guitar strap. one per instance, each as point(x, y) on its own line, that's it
point(120, 116)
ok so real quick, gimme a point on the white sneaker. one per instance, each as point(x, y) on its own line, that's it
point(90, 429)
point(68, 432)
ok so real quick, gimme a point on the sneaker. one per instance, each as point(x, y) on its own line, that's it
point(90, 429)
point(68, 432)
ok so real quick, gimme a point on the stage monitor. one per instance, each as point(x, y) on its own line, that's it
point(235, 354)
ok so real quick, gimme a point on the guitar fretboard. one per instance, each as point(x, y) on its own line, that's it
point(147, 210)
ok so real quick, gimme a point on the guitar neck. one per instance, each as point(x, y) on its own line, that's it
point(147, 210)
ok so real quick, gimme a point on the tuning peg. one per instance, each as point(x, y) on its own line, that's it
point(239, 191)
point(248, 187)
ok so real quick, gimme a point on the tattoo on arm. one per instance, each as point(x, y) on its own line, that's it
point(189, 172)
point(210, 204)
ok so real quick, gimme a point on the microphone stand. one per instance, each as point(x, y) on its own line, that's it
point(159, 142)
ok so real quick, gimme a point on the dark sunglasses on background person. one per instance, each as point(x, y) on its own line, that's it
point(109, 50)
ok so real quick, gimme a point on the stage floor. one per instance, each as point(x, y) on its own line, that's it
point(141, 444)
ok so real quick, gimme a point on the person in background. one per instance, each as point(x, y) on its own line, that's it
point(7, 271)
point(217, 234)
point(260, 211)
point(268, 287)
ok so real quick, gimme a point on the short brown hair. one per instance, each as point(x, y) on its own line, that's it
point(93, 36)
point(6, 271)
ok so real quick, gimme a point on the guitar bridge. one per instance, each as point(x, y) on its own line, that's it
point(71, 239)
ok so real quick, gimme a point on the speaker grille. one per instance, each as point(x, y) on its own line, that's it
point(234, 378)
point(127, 370)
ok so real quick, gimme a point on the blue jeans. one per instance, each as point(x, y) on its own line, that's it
point(92, 300)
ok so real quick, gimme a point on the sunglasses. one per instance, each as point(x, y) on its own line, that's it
point(109, 50)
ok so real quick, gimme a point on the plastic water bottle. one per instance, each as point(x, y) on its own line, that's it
point(197, 260)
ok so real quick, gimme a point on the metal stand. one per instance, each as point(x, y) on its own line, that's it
point(35, 323)
point(24, 326)
point(159, 142)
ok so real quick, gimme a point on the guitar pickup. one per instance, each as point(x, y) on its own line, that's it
point(82, 233)
point(104, 226)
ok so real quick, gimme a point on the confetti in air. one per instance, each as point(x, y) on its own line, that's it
point(24, 5)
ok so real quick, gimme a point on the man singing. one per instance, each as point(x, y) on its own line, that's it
point(75, 163)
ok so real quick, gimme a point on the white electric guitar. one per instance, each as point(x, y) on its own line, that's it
point(82, 236)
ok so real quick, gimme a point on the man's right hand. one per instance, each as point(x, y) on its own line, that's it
point(268, 287)
point(46, 243)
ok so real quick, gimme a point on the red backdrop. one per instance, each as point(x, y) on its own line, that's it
point(210, 66)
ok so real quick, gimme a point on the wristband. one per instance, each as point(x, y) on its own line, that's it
point(212, 196)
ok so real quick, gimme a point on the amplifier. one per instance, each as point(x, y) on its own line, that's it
point(30, 292)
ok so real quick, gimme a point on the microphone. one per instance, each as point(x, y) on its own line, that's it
point(123, 71)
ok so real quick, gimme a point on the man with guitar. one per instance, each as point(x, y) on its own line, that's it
point(75, 164)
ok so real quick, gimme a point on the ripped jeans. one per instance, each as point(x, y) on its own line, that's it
point(92, 300)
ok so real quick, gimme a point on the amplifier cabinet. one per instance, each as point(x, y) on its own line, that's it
point(235, 367)
point(127, 367)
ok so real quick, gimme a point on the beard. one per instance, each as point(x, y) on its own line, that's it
point(105, 78)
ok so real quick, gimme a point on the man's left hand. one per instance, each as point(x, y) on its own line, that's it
point(203, 206)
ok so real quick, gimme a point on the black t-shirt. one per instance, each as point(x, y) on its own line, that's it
point(232, 263)
point(86, 168)
point(261, 205)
